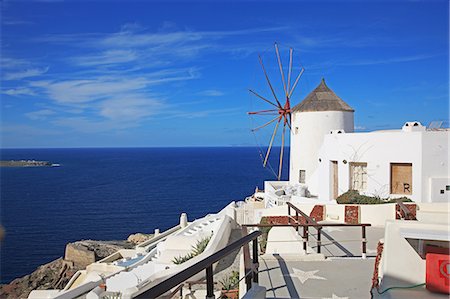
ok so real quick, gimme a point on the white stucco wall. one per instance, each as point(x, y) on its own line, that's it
point(400, 262)
point(426, 150)
point(307, 133)
point(435, 170)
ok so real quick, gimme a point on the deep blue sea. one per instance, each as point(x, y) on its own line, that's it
point(108, 194)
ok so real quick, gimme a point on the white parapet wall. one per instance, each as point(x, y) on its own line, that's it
point(433, 212)
point(377, 215)
point(401, 265)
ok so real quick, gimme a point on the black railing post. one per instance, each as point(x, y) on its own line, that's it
point(248, 281)
point(296, 219)
point(255, 261)
point(289, 213)
point(209, 283)
point(319, 242)
point(305, 238)
point(364, 242)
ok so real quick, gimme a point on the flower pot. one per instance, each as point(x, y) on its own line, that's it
point(232, 294)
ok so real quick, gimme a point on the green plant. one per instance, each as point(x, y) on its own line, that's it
point(181, 259)
point(230, 282)
point(265, 232)
point(353, 197)
point(201, 245)
point(197, 249)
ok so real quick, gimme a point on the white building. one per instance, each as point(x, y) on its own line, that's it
point(330, 159)
point(319, 114)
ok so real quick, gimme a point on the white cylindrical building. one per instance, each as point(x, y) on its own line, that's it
point(321, 112)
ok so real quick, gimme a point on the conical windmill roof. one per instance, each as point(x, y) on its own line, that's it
point(322, 99)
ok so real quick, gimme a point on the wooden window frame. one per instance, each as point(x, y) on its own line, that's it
point(391, 185)
point(350, 168)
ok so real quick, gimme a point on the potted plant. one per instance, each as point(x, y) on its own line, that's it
point(230, 286)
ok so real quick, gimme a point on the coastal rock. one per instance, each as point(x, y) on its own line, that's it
point(85, 252)
point(139, 238)
point(56, 274)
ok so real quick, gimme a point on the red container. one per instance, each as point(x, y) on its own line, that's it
point(438, 272)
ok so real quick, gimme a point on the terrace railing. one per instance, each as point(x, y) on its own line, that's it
point(310, 222)
point(206, 264)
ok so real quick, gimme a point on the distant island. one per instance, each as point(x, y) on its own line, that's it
point(27, 163)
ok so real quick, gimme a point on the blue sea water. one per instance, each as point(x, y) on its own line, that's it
point(109, 193)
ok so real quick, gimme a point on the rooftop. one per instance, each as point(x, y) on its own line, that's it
point(322, 98)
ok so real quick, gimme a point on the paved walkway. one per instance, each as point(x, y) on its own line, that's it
point(346, 241)
point(333, 278)
point(343, 274)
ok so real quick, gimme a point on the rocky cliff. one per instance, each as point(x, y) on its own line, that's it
point(56, 274)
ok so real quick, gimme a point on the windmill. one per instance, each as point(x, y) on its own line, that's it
point(280, 106)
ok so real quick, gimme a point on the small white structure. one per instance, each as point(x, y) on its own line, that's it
point(411, 162)
point(329, 159)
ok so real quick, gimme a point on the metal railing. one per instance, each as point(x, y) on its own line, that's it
point(310, 222)
point(169, 283)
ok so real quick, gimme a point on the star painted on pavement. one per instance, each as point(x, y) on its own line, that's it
point(305, 275)
point(334, 296)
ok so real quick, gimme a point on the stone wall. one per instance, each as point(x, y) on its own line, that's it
point(80, 255)
point(352, 214)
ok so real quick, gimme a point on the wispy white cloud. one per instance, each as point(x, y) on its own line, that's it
point(211, 93)
point(130, 108)
point(19, 91)
point(387, 60)
point(18, 75)
point(40, 114)
point(106, 58)
point(12, 63)
point(369, 62)
point(107, 87)
point(205, 113)
point(116, 80)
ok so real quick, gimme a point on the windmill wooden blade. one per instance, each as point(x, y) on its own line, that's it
point(280, 65)
point(268, 81)
point(266, 124)
point(282, 111)
point(265, 112)
point(295, 83)
point(291, 51)
point(262, 98)
point(271, 142)
point(280, 167)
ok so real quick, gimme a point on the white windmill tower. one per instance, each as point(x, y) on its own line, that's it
point(320, 113)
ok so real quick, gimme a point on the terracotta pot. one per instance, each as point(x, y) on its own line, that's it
point(232, 294)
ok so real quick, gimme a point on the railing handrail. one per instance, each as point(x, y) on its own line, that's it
point(173, 281)
point(306, 224)
point(308, 219)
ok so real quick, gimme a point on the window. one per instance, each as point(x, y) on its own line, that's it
point(401, 178)
point(358, 176)
point(302, 176)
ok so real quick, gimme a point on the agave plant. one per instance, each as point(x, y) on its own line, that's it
point(181, 259)
point(230, 282)
point(197, 249)
point(201, 245)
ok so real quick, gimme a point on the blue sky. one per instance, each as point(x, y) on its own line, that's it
point(124, 73)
